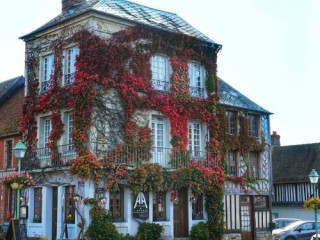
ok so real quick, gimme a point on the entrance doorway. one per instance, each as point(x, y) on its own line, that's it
point(54, 211)
point(181, 214)
point(246, 218)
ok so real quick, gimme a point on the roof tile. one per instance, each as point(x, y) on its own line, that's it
point(131, 12)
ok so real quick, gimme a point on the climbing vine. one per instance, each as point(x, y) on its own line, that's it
point(111, 90)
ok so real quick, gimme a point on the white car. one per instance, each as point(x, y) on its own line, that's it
point(283, 222)
point(314, 236)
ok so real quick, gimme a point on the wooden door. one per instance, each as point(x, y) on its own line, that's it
point(181, 214)
point(54, 212)
point(246, 218)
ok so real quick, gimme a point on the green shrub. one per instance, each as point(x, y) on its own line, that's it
point(128, 237)
point(149, 231)
point(102, 227)
point(200, 231)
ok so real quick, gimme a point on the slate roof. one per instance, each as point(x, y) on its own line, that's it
point(294, 163)
point(230, 97)
point(9, 87)
point(129, 11)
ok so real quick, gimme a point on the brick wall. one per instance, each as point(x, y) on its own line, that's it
point(10, 113)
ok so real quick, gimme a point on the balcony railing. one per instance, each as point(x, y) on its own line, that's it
point(68, 78)
point(44, 86)
point(196, 91)
point(130, 155)
point(161, 85)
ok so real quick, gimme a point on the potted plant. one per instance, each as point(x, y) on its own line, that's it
point(37, 219)
point(17, 180)
point(70, 219)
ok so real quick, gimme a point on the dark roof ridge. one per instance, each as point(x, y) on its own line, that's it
point(132, 12)
point(11, 79)
point(10, 88)
point(156, 9)
point(297, 145)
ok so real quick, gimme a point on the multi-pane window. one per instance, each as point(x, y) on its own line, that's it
point(117, 205)
point(196, 79)
point(253, 125)
point(158, 132)
point(254, 164)
point(231, 119)
point(232, 157)
point(160, 72)
point(69, 204)
point(37, 205)
point(46, 135)
point(159, 126)
point(197, 206)
point(47, 71)
point(69, 136)
point(159, 206)
point(8, 153)
point(196, 139)
point(70, 65)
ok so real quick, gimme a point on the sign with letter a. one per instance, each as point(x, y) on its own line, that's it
point(140, 206)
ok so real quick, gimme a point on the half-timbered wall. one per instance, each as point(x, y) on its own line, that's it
point(232, 218)
point(262, 219)
point(291, 192)
point(232, 212)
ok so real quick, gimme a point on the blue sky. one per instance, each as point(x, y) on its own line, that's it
point(270, 51)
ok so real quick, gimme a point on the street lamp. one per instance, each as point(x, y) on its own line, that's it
point(314, 177)
point(19, 151)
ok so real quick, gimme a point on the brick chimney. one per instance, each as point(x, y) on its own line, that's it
point(66, 4)
point(275, 139)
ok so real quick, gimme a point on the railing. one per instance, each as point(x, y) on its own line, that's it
point(196, 91)
point(130, 155)
point(68, 78)
point(44, 86)
point(161, 85)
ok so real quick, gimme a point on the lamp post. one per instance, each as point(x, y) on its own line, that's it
point(19, 151)
point(314, 177)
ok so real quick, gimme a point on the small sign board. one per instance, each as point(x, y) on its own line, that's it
point(14, 231)
point(141, 206)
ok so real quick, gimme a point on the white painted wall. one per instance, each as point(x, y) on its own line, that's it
point(294, 212)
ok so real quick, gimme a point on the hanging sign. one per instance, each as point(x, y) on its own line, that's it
point(141, 206)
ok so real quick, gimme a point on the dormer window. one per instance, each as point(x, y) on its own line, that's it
point(46, 71)
point(196, 80)
point(70, 65)
point(160, 73)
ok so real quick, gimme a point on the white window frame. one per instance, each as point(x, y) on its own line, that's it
point(233, 157)
point(196, 136)
point(45, 131)
point(70, 60)
point(160, 134)
point(160, 72)
point(47, 69)
point(196, 74)
point(69, 132)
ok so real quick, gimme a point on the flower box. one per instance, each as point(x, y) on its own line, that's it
point(17, 180)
